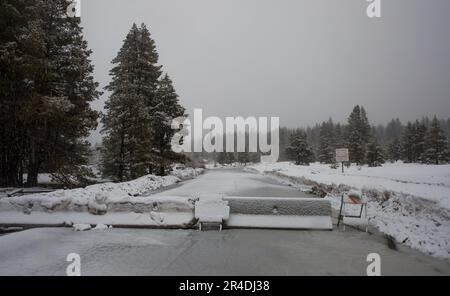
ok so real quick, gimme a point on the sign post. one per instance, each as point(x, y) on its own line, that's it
point(342, 156)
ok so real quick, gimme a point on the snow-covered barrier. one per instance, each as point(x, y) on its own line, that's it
point(289, 213)
point(124, 204)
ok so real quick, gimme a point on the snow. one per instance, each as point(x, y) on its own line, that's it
point(431, 182)
point(82, 227)
point(176, 219)
point(281, 222)
point(279, 212)
point(410, 202)
point(97, 203)
point(101, 227)
point(235, 252)
point(212, 209)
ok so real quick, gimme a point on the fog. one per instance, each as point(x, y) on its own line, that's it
point(301, 60)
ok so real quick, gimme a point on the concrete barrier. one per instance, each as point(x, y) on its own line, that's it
point(289, 213)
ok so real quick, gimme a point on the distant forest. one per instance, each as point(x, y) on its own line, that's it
point(397, 140)
point(424, 140)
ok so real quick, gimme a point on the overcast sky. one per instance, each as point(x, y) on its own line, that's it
point(301, 60)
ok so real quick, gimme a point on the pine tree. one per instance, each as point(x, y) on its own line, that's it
point(374, 153)
point(420, 130)
point(299, 149)
point(358, 133)
point(18, 26)
point(166, 109)
point(133, 100)
point(395, 150)
point(365, 126)
point(413, 142)
point(436, 145)
point(327, 143)
point(50, 87)
point(407, 143)
point(393, 130)
point(339, 137)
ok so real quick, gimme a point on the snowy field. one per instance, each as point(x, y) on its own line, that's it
point(410, 202)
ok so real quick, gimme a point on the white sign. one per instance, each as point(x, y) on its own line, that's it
point(342, 155)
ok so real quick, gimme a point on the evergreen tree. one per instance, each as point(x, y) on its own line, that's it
point(407, 143)
point(18, 26)
point(393, 130)
point(133, 100)
point(365, 126)
point(299, 149)
point(420, 130)
point(374, 153)
point(47, 89)
point(395, 150)
point(436, 145)
point(413, 142)
point(447, 128)
point(339, 137)
point(166, 109)
point(358, 132)
point(327, 143)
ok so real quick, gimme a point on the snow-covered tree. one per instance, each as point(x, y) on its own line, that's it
point(407, 143)
point(413, 141)
point(395, 150)
point(327, 143)
point(393, 130)
point(374, 153)
point(165, 109)
point(437, 147)
point(358, 133)
point(131, 105)
point(299, 149)
point(47, 87)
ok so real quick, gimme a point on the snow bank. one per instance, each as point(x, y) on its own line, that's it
point(100, 199)
point(82, 227)
point(430, 182)
point(410, 202)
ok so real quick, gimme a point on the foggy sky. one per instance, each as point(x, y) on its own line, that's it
point(301, 60)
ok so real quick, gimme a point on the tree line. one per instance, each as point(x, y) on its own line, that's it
point(47, 85)
point(422, 141)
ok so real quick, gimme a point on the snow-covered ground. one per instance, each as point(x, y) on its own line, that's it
point(410, 202)
point(234, 252)
point(108, 203)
